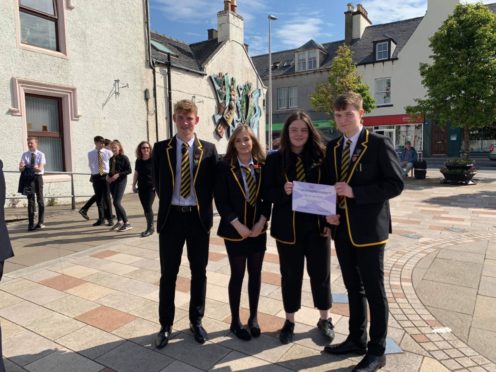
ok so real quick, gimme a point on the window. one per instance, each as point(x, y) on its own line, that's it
point(39, 23)
point(287, 97)
point(308, 60)
point(383, 91)
point(382, 50)
point(43, 117)
point(312, 59)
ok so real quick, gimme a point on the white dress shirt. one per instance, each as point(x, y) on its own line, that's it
point(177, 199)
point(93, 160)
point(39, 159)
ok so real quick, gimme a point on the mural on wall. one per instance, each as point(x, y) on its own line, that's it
point(236, 104)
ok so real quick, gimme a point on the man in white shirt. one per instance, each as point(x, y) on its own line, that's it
point(35, 160)
point(98, 160)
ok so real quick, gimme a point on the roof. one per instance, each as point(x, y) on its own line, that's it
point(362, 48)
point(190, 57)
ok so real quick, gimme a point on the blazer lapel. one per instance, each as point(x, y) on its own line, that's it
point(360, 149)
point(171, 158)
point(337, 157)
point(236, 172)
point(197, 158)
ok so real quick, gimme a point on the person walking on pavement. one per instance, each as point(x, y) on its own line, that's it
point(84, 209)
point(184, 176)
point(243, 224)
point(98, 160)
point(5, 245)
point(143, 184)
point(299, 236)
point(117, 178)
point(366, 172)
point(35, 160)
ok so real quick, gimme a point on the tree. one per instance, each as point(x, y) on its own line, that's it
point(343, 77)
point(461, 81)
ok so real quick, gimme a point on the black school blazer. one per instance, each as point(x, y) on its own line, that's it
point(282, 227)
point(375, 177)
point(164, 173)
point(231, 202)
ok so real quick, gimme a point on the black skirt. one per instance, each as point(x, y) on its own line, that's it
point(247, 246)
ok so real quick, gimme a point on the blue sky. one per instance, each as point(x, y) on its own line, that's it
point(298, 21)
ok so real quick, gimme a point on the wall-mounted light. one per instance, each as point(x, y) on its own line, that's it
point(118, 86)
point(193, 98)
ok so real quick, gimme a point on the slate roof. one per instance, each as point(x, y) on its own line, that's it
point(190, 57)
point(362, 48)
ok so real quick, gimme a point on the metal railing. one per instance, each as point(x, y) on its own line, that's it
point(47, 173)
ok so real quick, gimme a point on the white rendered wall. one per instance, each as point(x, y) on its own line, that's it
point(105, 40)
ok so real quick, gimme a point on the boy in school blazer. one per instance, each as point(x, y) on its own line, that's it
point(366, 172)
point(184, 177)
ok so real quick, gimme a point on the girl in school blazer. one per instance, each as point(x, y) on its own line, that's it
point(243, 224)
point(299, 235)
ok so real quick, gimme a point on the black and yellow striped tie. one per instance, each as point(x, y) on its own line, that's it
point(100, 163)
point(251, 185)
point(185, 172)
point(300, 169)
point(345, 166)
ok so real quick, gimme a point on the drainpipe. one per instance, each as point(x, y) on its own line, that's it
point(169, 93)
point(151, 63)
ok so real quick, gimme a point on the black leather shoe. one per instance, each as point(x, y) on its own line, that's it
point(240, 332)
point(326, 328)
point(83, 213)
point(346, 347)
point(370, 363)
point(31, 228)
point(287, 332)
point(162, 338)
point(199, 333)
point(110, 223)
point(98, 223)
point(254, 328)
point(146, 233)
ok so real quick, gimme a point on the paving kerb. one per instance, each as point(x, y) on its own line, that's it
point(418, 236)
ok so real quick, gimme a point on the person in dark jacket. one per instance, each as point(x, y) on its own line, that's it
point(117, 178)
point(5, 245)
point(243, 224)
point(366, 172)
point(184, 178)
point(143, 183)
point(298, 235)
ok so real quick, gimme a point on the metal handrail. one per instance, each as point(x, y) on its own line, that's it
point(72, 195)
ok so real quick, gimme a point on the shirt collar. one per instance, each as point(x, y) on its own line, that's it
point(250, 163)
point(180, 142)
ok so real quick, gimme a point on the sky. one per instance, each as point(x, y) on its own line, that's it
point(298, 21)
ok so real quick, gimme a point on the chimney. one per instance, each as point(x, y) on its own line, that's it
point(348, 24)
point(230, 25)
point(212, 33)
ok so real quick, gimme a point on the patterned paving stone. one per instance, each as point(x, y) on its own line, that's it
point(62, 282)
point(106, 318)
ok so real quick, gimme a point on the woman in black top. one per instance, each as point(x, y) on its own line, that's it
point(143, 183)
point(243, 221)
point(117, 178)
point(299, 235)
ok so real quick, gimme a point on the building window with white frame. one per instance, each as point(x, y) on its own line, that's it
point(382, 91)
point(302, 62)
point(287, 97)
point(39, 23)
point(382, 50)
point(44, 121)
point(312, 59)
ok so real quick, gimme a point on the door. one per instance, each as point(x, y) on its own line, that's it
point(388, 132)
point(439, 140)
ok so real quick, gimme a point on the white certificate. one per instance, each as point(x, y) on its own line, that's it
point(314, 198)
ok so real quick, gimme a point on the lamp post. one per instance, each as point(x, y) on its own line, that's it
point(269, 95)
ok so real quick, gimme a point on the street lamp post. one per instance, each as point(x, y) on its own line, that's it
point(269, 95)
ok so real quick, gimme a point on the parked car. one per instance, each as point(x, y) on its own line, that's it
point(492, 152)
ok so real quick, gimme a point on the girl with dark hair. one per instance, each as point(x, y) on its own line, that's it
point(117, 178)
point(299, 235)
point(243, 224)
point(143, 183)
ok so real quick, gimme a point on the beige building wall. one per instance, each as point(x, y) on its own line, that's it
point(102, 41)
point(230, 57)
